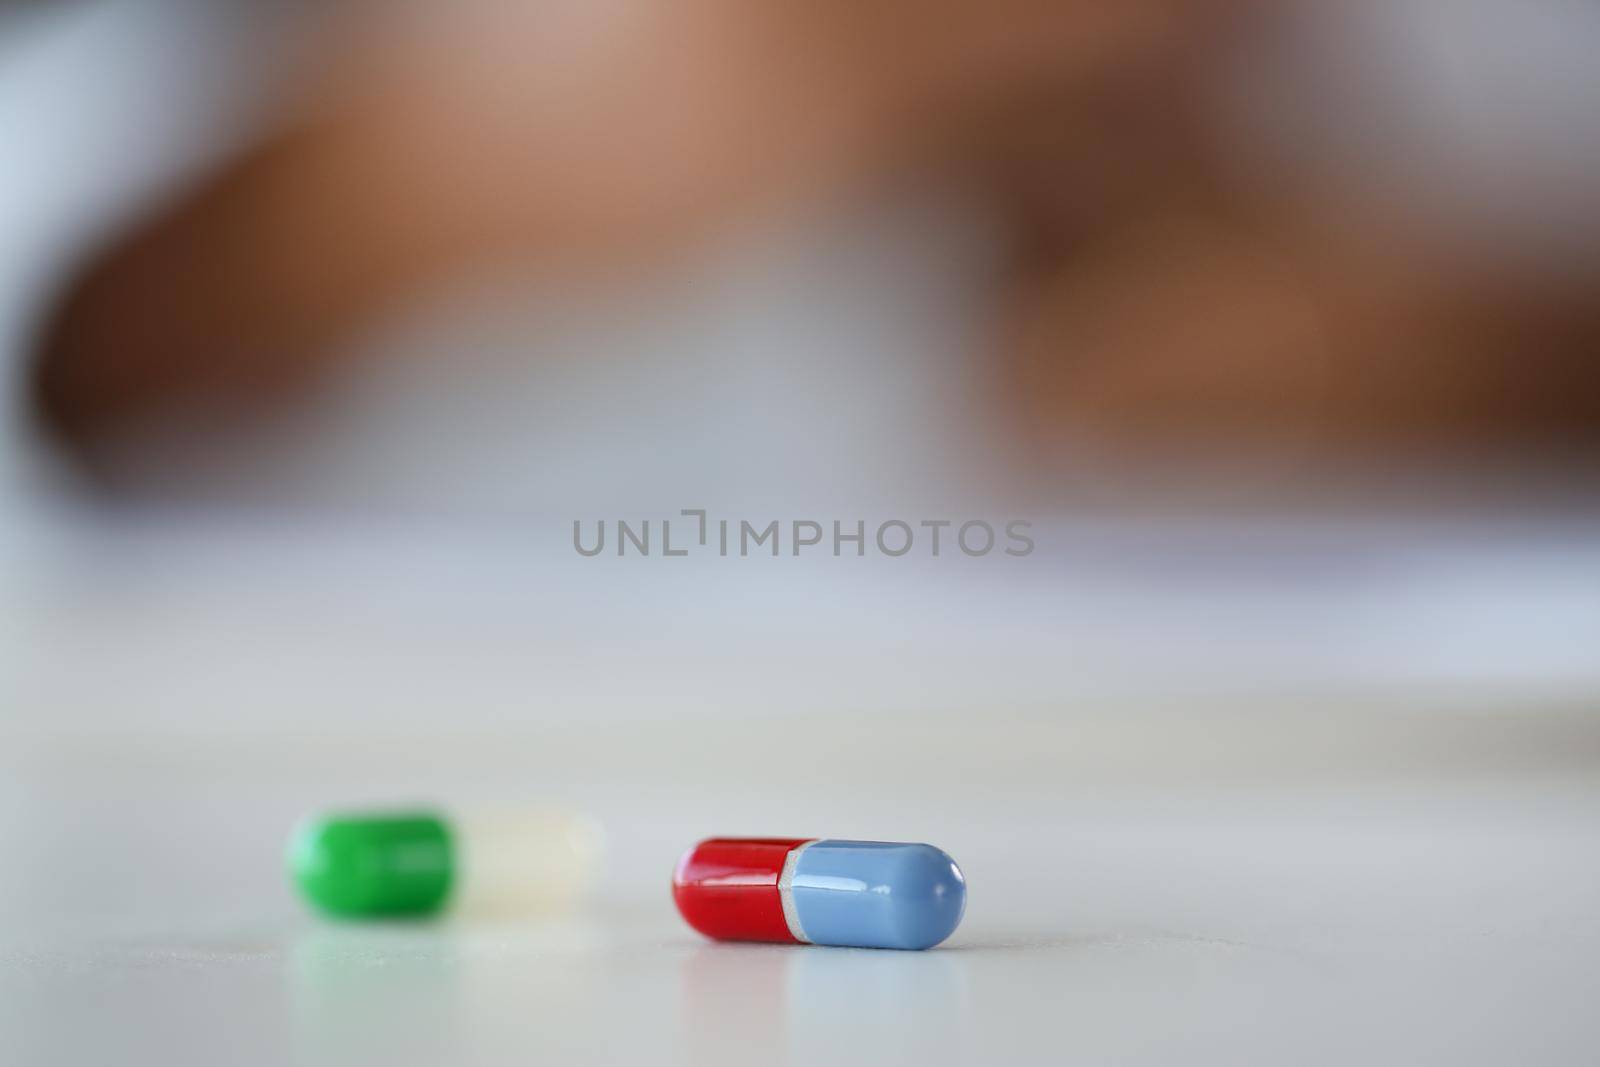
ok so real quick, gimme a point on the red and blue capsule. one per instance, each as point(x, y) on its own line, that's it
point(863, 894)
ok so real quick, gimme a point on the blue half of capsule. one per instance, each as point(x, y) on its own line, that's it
point(876, 894)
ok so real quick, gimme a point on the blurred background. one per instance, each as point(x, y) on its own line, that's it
point(323, 324)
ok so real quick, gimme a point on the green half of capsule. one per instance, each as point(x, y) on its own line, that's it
point(375, 866)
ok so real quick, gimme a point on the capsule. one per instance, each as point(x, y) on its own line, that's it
point(865, 894)
point(410, 864)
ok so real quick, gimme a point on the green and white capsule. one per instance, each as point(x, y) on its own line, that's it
point(373, 865)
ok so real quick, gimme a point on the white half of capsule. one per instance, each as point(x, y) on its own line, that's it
point(786, 892)
point(517, 863)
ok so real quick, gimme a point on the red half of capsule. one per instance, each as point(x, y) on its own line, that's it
point(727, 887)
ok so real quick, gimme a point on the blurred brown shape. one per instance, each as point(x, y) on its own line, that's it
point(1156, 303)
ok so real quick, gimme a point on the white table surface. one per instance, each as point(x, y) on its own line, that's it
point(1414, 895)
point(1328, 803)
